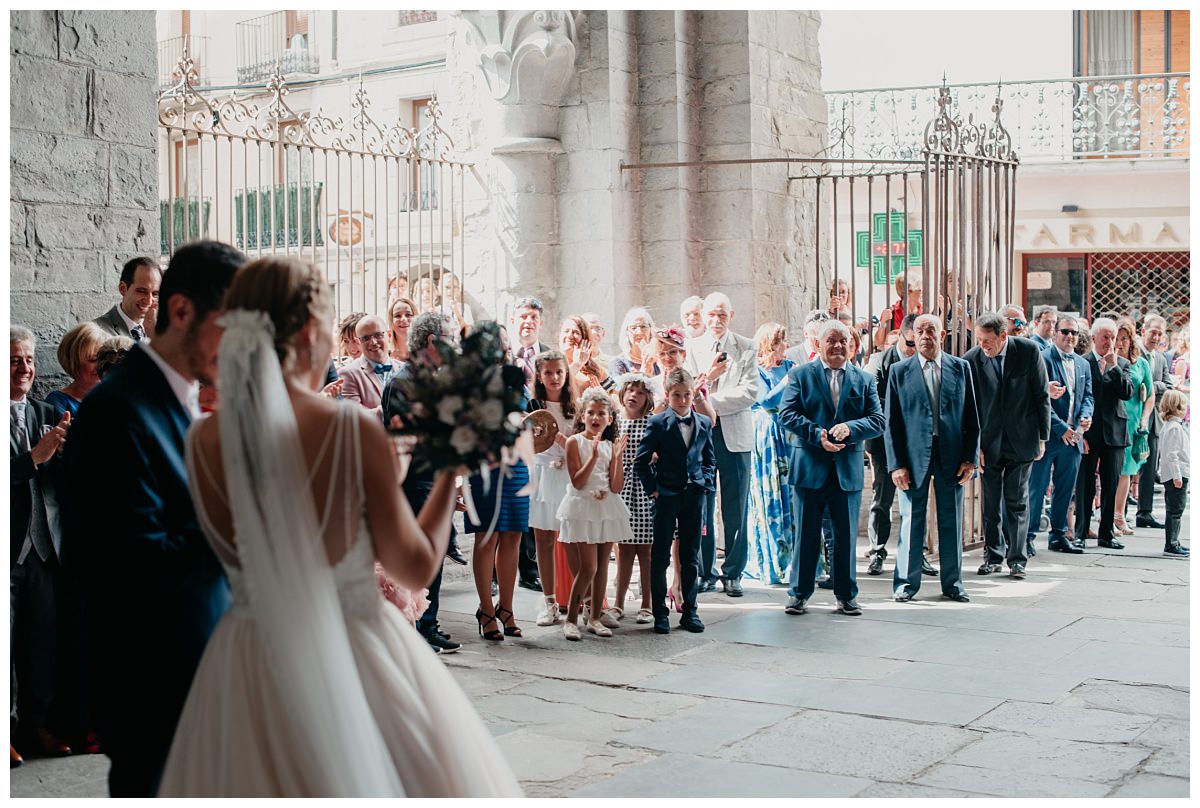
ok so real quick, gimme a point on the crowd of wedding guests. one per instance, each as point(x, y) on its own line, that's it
point(696, 454)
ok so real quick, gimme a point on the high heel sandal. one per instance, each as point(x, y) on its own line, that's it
point(509, 631)
point(676, 602)
point(495, 635)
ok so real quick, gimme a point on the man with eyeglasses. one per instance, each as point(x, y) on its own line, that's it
point(1044, 320)
point(1071, 406)
point(364, 378)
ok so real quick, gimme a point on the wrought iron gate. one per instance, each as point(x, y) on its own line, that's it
point(379, 209)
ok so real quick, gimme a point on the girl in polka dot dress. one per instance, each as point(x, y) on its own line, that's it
point(636, 400)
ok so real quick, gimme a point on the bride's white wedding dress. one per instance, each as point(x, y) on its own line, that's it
point(352, 706)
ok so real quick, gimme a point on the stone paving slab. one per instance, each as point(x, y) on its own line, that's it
point(813, 664)
point(550, 766)
point(1125, 662)
point(1167, 733)
point(1153, 785)
point(1024, 754)
point(821, 630)
point(1175, 762)
point(978, 617)
point(1024, 684)
point(1009, 784)
point(984, 649)
point(851, 745)
point(1149, 700)
point(1072, 724)
point(705, 727)
point(1134, 632)
point(704, 777)
point(1138, 611)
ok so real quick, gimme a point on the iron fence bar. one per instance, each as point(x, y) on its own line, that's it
point(925, 299)
point(759, 160)
point(852, 248)
point(870, 220)
point(834, 229)
point(818, 240)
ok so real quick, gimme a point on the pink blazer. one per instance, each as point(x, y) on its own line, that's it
point(361, 384)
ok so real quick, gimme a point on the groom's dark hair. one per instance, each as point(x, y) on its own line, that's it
point(201, 271)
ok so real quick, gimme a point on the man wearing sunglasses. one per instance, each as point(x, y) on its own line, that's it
point(1014, 320)
point(1071, 407)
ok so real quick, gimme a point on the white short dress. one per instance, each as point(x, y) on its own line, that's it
point(594, 514)
point(549, 474)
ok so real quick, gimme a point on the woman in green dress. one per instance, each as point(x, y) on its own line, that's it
point(1139, 409)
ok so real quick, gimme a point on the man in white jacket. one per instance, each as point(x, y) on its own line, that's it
point(728, 362)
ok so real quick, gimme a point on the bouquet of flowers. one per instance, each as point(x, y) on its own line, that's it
point(465, 412)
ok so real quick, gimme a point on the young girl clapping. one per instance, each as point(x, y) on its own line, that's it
point(552, 391)
point(592, 513)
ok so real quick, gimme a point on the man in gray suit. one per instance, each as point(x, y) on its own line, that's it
point(932, 440)
point(36, 436)
point(729, 363)
point(1153, 328)
point(140, 279)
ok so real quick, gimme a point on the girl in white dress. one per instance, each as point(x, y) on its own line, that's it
point(311, 685)
point(593, 515)
point(553, 391)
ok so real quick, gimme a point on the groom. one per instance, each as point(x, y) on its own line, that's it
point(155, 591)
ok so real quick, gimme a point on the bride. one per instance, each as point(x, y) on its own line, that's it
point(311, 685)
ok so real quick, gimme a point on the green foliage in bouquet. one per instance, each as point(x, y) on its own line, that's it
point(465, 412)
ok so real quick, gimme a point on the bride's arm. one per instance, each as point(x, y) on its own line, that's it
point(409, 548)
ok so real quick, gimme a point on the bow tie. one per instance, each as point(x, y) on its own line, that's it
point(382, 369)
point(686, 421)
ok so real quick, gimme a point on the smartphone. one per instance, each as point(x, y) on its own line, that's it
point(722, 356)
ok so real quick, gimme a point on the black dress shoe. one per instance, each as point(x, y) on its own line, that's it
point(927, 568)
point(443, 645)
point(1016, 571)
point(662, 625)
point(903, 596)
point(733, 588)
point(825, 583)
point(531, 583)
point(455, 554)
point(707, 586)
point(1149, 521)
point(1064, 546)
point(795, 606)
point(1111, 544)
point(876, 565)
point(692, 623)
point(987, 568)
point(1030, 550)
point(961, 597)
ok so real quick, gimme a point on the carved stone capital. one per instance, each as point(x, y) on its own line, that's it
point(527, 58)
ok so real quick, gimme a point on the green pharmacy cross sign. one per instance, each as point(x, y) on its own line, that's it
point(889, 247)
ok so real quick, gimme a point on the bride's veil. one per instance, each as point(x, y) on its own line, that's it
point(336, 745)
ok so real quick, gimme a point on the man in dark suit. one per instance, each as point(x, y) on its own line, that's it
point(1070, 416)
point(526, 328)
point(829, 409)
point(932, 439)
point(139, 287)
point(154, 589)
point(1014, 416)
point(1153, 330)
point(1108, 436)
point(35, 438)
point(677, 464)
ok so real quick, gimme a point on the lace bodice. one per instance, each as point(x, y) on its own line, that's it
point(343, 523)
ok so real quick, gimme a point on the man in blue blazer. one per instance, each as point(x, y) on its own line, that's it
point(1071, 409)
point(677, 464)
point(932, 439)
point(829, 409)
point(154, 589)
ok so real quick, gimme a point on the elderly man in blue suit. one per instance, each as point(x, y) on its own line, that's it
point(1071, 406)
point(829, 409)
point(932, 441)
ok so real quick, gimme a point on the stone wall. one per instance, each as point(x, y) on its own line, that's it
point(83, 159)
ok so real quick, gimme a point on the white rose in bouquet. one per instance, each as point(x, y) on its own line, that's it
point(463, 439)
point(490, 414)
point(448, 409)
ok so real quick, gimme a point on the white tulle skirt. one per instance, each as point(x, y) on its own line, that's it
point(233, 737)
point(551, 488)
point(587, 519)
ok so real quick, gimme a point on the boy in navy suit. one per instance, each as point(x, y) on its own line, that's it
point(677, 465)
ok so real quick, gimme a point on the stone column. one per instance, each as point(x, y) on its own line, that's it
point(83, 195)
point(526, 60)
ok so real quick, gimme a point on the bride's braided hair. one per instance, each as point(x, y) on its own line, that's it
point(290, 291)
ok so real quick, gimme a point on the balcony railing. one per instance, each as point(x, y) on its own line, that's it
point(169, 53)
point(284, 38)
point(416, 17)
point(1144, 116)
point(260, 220)
point(180, 221)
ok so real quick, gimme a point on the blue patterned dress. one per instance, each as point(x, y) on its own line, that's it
point(770, 516)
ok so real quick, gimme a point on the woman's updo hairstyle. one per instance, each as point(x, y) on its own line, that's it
point(289, 290)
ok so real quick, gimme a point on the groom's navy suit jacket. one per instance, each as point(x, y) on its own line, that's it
point(154, 589)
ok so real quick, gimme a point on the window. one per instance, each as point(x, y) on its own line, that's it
point(425, 178)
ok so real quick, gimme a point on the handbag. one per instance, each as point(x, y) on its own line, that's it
point(1140, 448)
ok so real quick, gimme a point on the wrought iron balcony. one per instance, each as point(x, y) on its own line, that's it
point(1125, 117)
point(416, 17)
point(284, 38)
point(170, 51)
